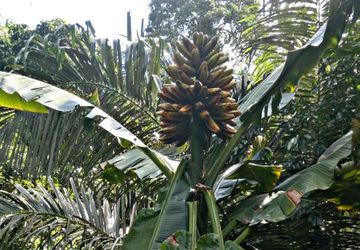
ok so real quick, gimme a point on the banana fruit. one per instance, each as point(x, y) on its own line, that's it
point(201, 86)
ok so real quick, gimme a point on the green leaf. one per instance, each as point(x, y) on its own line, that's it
point(181, 241)
point(279, 206)
point(113, 175)
point(94, 98)
point(356, 14)
point(344, 192)
point(265, 175)
point(43, 93)
point(137, 162)
point(134, 161)
point(276, 207)
point(55, 98)
point(174, 215)
point(246, 209)
point(141, 231)
point(52, 97)
point(124, 143)
point(320, 175)
point(14, 101)
point(260, 178)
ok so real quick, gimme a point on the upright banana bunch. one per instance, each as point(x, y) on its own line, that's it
point(200, 92)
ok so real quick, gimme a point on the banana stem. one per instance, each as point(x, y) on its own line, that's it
point(197, 142)
point(230, 227)
point(193, 207)
point(202, 215)
point(224, 155)
point(243, 235)
point(214, 216)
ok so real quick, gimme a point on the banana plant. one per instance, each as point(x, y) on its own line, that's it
point(197, 109)
point(189, 105)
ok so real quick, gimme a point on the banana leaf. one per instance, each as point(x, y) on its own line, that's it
point(134, 161)
point(280, 205)
point(141, 231)
point(38, 94)
point(173, 215)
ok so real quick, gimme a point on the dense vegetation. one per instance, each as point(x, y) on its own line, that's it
point(138, 145)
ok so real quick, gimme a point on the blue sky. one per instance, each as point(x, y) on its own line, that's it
point(107, 16)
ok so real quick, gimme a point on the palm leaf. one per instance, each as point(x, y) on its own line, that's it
point(274, 28)
point(80, 59)
point(63, 218)
point(5, 115)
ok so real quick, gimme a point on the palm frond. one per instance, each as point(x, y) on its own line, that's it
point(38, 219)
point(79, 58)
point(279, 26)
point(5, 115)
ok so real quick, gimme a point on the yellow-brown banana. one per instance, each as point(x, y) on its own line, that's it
point(200, 92)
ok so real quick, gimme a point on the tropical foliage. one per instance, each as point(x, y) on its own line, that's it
point(86, 168)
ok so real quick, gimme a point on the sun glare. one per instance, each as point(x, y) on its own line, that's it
point(107, 16)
